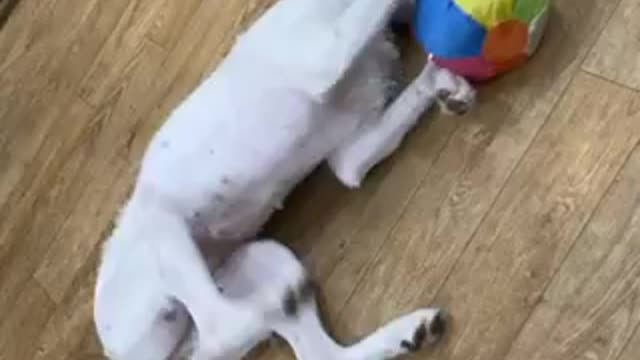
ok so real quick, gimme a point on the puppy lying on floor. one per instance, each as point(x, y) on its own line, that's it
point(308, 82)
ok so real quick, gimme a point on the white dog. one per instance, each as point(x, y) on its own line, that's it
point(308, 82)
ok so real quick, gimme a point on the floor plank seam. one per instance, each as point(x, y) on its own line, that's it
point(580, 62)
point(376, 255)
point(588, 220)
point(455, 205)
point(552, 110)
point(627, 344)
point(605, 24)
point(468, 243)
point(508, 179)
point(78, 97)
point(610, 81)
point(153, 42)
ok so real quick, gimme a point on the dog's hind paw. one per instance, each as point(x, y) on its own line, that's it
point(432, 325)
point(411, 332)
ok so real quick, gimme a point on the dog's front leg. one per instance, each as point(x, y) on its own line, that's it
point(376, 141)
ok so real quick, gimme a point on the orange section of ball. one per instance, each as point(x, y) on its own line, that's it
point(506, 43)
point(504, 66)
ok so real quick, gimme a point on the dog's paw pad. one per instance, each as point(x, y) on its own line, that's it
point(456, 107)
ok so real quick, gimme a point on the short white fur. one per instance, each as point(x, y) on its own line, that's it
point(308, 82)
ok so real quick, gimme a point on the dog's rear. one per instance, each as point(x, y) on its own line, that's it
point(135, 318)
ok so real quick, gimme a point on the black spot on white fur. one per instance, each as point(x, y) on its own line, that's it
point(171, 312)
point(427, 334)
point(296, 296)
point(170, 315)
point(417, 340)
point(438, 326)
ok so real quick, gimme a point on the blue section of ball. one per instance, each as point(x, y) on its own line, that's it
point(446, 31)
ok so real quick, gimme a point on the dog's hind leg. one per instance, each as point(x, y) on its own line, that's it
point(378, 139)
point(259, 266)
point(407, 334)
point(334, 46)
point(225, 326)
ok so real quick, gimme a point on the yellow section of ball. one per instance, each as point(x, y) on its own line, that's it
point(489, 13)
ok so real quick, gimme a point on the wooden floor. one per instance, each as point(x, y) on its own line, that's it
point(522, 218)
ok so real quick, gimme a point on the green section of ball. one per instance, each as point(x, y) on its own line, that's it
point(528, 10)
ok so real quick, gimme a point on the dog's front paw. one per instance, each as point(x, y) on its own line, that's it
point(350, 165)
point(451, 104)
point(453, 93)
point(457, 103)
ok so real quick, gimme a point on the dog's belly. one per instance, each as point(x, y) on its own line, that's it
point(229, 155)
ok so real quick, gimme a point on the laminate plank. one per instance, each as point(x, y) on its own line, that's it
point(40, 66)
point(456, 194)
point(84, 85)
point(24, 322)
point(31, 220)
point(120, 52)
point(633, 348)
point(527, 235)
point(170, 21)
point(63, 335)
point(592, 306)
point(616, 55)
point(110, 168)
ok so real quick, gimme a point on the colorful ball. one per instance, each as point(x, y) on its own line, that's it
point(480, 39)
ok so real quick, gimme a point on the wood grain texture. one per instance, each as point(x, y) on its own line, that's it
point(539, 214)
point(616, 55)
point(592, 306)
point(455, 196)
point(633, 348)
point(24, 321)
point(522, 217)
point(63, 335)
point(107, 172)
